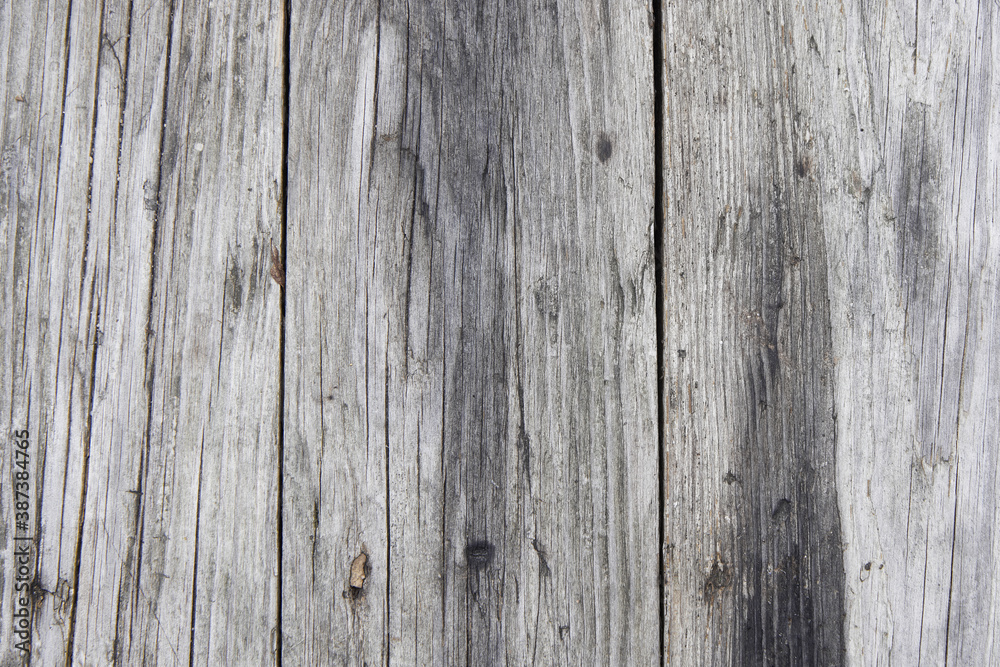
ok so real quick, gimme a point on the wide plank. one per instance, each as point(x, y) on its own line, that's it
point(471, 336)
point(752, 544)
point(915, 304)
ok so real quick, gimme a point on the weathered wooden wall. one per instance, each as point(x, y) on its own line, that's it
point(555, 332)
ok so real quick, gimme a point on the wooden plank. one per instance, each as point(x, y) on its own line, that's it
point(47, 105)
point(177, 554)
point(207, 578)
point(334, 486)
point(66, 473)
point(754, 571)
point(475, 411)
point(127, 142)
point(830, 275)
point(915, 333)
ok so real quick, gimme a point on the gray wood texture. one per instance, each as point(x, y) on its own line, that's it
point(470, 336)
point(350, 332)
point(142, 155)
point(830, 298)
point(916, 332)
point(752, 538)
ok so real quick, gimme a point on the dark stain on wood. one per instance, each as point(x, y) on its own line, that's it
point(782, 510)
point(791, 563)
point(770, 282)
point(255, 266)
point(470, 118)
point(813, 46)
point(777, 594)
point(916, 194)
point(234, 284)
point(718, 579)
point(604, 147)
point(479, 554)
point(543, 563)
point(923, 277)
point(803, 166)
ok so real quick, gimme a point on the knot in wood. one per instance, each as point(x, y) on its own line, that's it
point(479, 554)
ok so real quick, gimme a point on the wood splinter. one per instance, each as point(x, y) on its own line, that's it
point(277, 268)
point(359, 572)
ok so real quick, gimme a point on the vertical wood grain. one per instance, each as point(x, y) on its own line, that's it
point(470, 469)
point(830, 174)
point(335, 502)
point(127, 139)
point(916, 307)
point(753, 556)
point(476, 409)
point(142, 164)
point(207, 579)
point(48, 330)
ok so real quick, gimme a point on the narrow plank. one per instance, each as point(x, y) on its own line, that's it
point(753, 557)
point(127, 140)
point(471, 395)
point(583, 355)
point(47, 343)
point(866, 140)
point(334, 488)
point(206, 575)
point(70, 267)
point(915, 308)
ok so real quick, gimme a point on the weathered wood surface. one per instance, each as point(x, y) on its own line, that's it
point(916, 313)
point(142, 165)
point(830, 298)
point(439, 439)
point(470, 335)
point(752, 538)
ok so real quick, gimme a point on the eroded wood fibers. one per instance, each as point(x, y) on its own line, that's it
point(752, 521)
point(334, 328)
point(830, 176)
point(482, 399)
